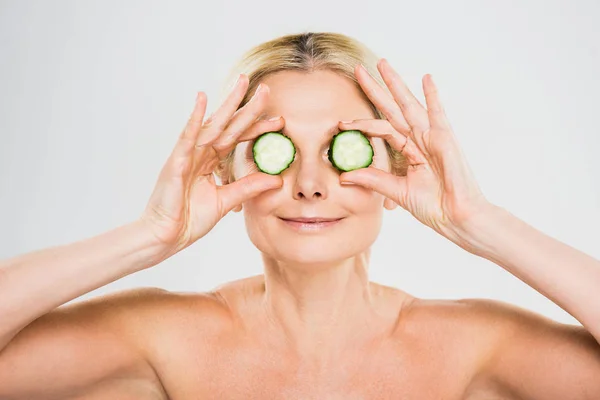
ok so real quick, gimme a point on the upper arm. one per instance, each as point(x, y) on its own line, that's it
point(76, 347)
point(535, 357)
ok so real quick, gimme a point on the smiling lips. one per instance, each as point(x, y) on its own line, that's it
point(311, 220)
point(310, 224)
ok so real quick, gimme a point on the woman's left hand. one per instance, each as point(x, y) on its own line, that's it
point(439, 188)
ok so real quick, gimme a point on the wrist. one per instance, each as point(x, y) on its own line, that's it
point(153, 251)
point(475, 234)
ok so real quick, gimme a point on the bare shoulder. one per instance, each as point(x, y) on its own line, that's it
point(477, 323)
point(148, 317)
point(136, 305)
point(493, 316)
point(153, 321)
point(497, 320)
point(513, 352)
point(460, 336)
point(177, 332)
point(465, 328)
point(117, 342)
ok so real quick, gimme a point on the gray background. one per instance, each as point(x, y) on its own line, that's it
point(94, 94)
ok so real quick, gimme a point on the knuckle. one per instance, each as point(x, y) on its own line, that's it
point(220, 146)
point(192, 123)
point(389, 136)
point(186, 141)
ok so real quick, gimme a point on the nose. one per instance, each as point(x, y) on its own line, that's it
point(310, 181)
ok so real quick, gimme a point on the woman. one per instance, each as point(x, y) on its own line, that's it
point(312, 326)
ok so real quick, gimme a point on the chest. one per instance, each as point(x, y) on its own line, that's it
point(262, 374)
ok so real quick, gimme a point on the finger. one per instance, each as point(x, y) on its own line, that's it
point(457, 173)
point(273, 124)
point(256, 129)
point(435, 109)
point(179, 159)
point(382, 182)
point(383, 128)
point(235, 193)
point(243, 118)
point(207, 157)
point(412, 109)
point(188, 136)
point(382, 100)
point(212, 128)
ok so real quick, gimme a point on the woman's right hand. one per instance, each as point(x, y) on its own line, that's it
point(186, 202)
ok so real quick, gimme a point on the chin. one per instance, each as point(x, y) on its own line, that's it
point(312, 255)
point(317, 247)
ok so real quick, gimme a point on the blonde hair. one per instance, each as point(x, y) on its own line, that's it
point(307, 52)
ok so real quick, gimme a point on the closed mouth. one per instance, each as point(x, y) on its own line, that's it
point(311, 220)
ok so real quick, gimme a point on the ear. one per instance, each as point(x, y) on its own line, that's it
point(389, 204)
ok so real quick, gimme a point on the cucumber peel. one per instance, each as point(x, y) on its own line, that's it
point(273, 152)
point(350, 150)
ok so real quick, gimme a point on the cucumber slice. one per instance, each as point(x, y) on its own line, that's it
point(350, 150)
point(273, 152)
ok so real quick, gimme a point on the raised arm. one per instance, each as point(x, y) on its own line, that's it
point(537, 358)
point(33, 284)
point(49, 352)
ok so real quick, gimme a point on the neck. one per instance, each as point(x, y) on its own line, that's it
point(319, 306)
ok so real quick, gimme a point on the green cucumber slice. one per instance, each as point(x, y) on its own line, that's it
point(350, 150)
point(273, 152)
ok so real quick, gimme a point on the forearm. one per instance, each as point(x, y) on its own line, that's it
point(568, 277)
point(33, 284)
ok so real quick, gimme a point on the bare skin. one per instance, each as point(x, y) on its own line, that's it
point(313, 326)
point(222, 344)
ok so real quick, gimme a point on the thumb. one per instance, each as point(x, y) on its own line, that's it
point(235, 193)
point(382, 182)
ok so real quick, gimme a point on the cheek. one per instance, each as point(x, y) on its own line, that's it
point(361, 201)
point(258, 220)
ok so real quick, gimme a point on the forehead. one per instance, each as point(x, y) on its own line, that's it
point(316, 96)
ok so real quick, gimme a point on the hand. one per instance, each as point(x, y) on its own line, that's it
point(186, 203)
point(439, 188)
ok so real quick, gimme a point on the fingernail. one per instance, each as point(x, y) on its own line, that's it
point(347, 122)
point(274, 118)
point(258, 89)
point(237, 83)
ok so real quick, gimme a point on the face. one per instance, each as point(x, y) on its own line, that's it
point(312, 105)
